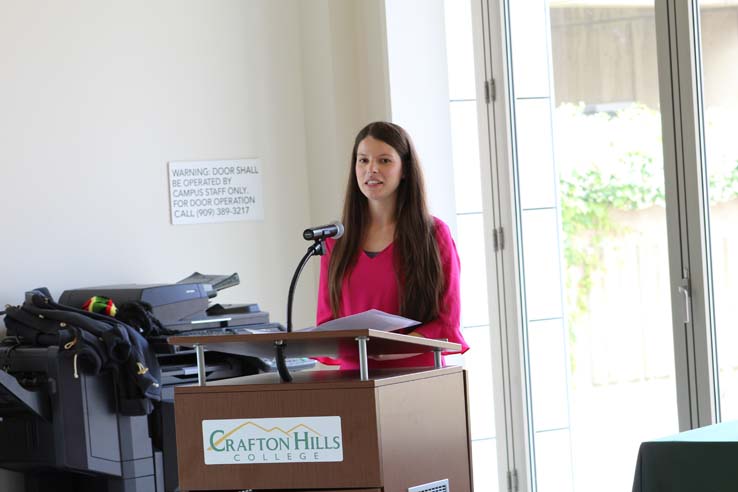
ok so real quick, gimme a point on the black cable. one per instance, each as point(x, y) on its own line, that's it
point(284, 373)
point(317, 248)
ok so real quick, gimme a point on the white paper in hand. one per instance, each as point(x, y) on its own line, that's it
point(374, 319)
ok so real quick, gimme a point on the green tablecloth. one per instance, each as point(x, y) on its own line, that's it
point(700, 460)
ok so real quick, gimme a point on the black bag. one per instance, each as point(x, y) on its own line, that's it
point(140, 314)
point(96, 342)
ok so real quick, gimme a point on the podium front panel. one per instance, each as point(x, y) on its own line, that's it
point(356, 407)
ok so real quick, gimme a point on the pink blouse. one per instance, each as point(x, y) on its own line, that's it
point(372, 285)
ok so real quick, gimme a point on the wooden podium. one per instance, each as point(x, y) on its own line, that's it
point(390, 431)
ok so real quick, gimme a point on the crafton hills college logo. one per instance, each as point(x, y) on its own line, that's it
point(273, 440)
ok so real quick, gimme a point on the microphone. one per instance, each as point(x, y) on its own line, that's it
point(318, 234)
point(334, 229)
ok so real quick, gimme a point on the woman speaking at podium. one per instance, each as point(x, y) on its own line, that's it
point(394, 256)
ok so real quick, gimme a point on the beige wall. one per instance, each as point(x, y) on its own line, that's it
point(345, 86)
point(97, 97)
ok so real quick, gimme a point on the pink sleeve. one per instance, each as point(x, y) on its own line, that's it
point(447, 324)
point(323, 312)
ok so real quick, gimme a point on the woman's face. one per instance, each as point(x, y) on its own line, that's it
point(378, 169)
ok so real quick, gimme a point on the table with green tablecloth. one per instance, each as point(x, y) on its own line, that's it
point(700, 460)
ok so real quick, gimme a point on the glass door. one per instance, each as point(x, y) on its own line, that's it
point(592, 253)
point(718, 38)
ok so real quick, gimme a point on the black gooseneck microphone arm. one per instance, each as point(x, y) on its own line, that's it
point(317, 248)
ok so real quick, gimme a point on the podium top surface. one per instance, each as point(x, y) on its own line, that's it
point(316, 343)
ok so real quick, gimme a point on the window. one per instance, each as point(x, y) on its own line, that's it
point(611, 174)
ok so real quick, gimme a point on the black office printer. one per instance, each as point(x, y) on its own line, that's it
point(64, 430)
point(184, 306)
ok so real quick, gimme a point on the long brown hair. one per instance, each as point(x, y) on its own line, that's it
point(418, 268)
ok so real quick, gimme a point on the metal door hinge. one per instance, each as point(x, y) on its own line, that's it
point(498, 239)
point(490, 91)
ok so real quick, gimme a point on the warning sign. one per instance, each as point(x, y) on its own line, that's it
point(215, 191)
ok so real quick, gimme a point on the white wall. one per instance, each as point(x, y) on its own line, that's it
point(376, 60)
point(418, 74)
point(345, 87)
point(97, 97)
